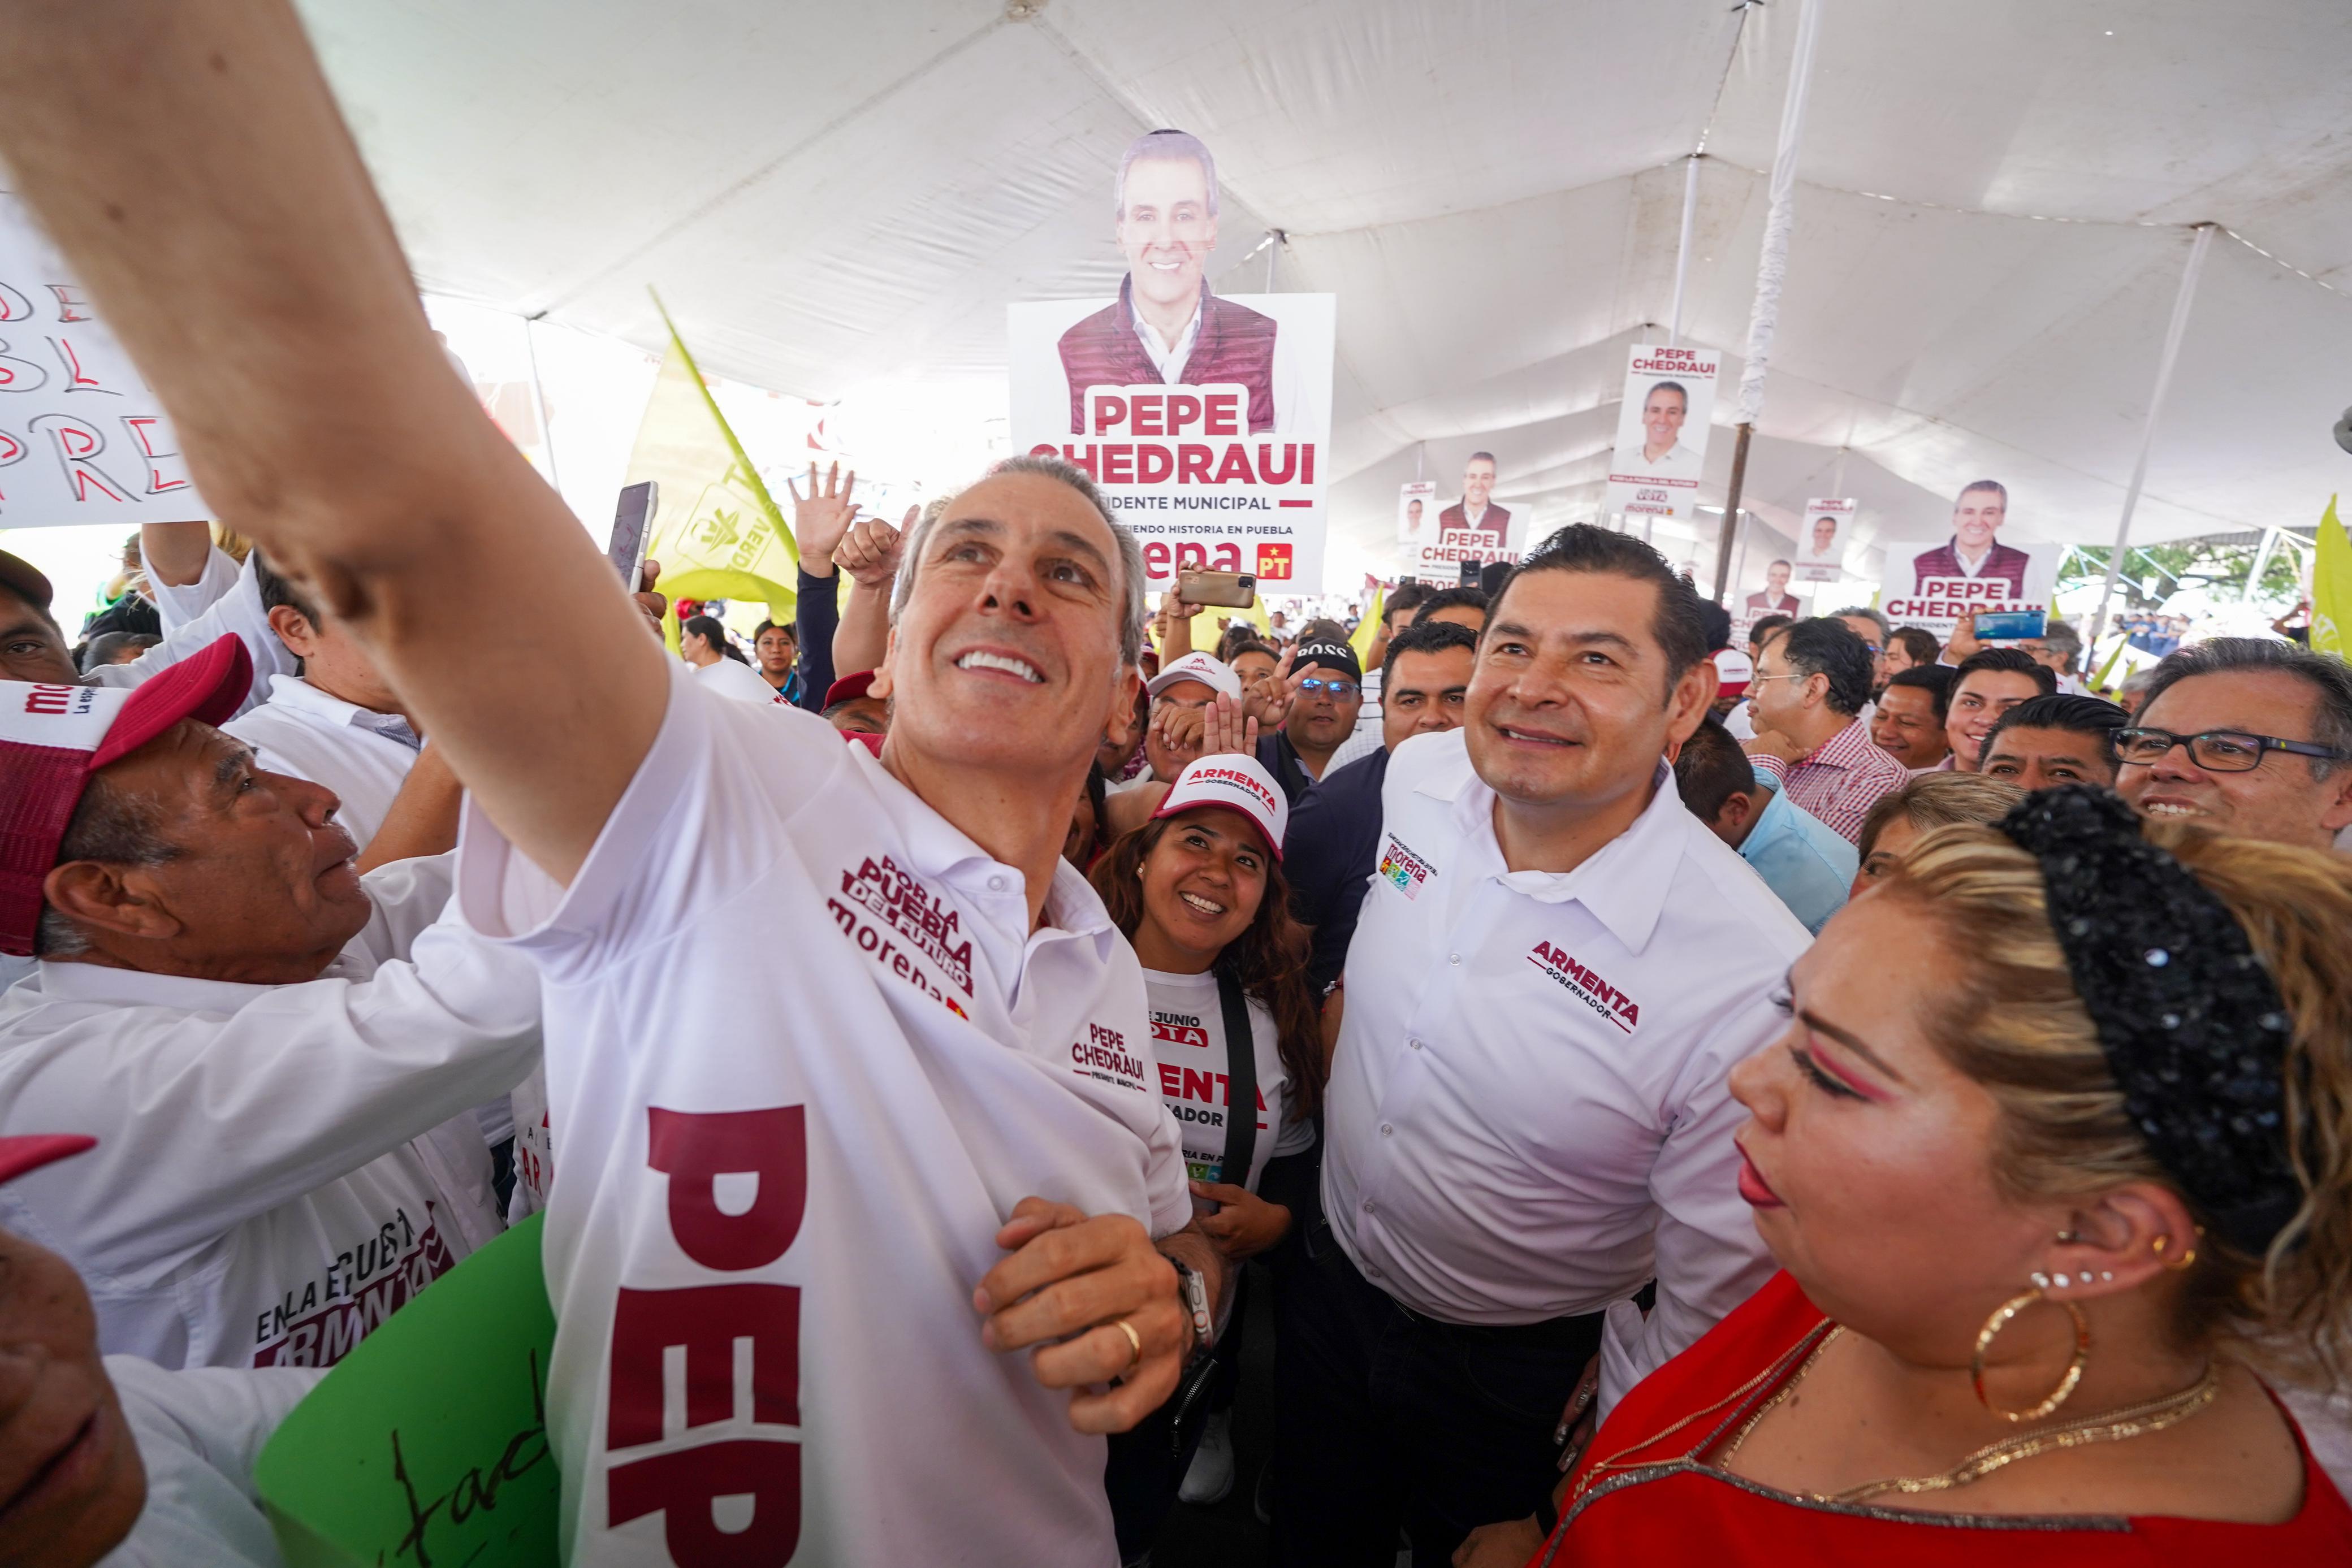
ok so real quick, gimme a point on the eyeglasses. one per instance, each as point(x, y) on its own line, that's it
point(2215, 750)
point(1340, 690)
point(1792, 675)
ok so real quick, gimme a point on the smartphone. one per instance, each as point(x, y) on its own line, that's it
point(1470, 571)
point(632, 530)
point(1234, 589)
point(2011, 625)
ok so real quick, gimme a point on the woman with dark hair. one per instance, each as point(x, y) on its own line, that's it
point(1199, 890)
point(702, 642)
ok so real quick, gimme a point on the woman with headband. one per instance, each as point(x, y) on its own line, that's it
point(2052, 1201)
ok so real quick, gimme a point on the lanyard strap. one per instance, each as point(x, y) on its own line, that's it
point(1240, 1083)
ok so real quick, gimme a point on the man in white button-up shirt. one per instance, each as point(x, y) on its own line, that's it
point(1528, 1120)
point(338, 723)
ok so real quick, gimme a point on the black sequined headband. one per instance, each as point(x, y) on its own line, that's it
point(2191, 1024)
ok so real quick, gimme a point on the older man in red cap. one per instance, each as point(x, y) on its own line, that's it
point(281, 1060)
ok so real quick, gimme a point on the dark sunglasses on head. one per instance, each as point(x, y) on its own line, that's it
point(2214, 750)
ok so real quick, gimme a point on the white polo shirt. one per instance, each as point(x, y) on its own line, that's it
point(279, 1167)
point(362, 756)
point(1527, 1115)
point(740, 682)
point(808, 1056)
point(1194, 1073)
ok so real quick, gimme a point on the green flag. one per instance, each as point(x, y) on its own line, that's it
point(427, 1444)
point(718, 533)
point(2331, 588)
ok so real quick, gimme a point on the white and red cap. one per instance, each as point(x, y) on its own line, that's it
point(52, 739)
point(1733, 671)
point(1213, 674)
point(1238, 783)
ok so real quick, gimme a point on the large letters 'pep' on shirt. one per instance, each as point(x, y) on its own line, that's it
point(808, 1057)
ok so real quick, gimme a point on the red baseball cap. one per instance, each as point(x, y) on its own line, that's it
point(52, 739)
point(30, 1151)
point(847, 687)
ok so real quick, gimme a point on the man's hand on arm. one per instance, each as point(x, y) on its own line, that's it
point(1070, 1283)
point(328, 427)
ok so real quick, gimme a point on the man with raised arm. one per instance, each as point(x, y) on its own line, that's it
point(816, 1190)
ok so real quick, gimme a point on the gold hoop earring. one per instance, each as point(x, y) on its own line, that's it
point(2179, 1265)
point(2000, 1320)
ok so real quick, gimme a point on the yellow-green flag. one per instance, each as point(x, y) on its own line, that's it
point(2331, 588)
point(1369, 628)
point(718, 533)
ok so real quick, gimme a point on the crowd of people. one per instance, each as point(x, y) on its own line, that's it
point(1844, 1099)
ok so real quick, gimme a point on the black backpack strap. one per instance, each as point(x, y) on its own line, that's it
point(1240, 1083)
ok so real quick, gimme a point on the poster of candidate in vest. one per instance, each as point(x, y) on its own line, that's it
point(1204, 416)
point(1661, 433)
point(1932, 582)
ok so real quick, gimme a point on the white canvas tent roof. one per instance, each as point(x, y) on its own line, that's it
point(1995, 207)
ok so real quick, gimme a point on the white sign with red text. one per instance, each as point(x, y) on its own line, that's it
point(82, 439)
point(1826, 529)
point(1223, 476)
point(1661, 429)
point(1931, 584)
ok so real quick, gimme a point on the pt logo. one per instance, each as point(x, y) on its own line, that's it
point(1274, 562)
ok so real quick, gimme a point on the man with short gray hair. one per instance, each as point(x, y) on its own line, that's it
point(1167, 326)
point(2246, 737)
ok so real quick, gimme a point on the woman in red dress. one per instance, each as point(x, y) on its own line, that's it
point(2056, 1152)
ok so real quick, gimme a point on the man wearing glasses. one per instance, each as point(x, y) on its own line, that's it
point(2248, 737)
point(1320, 721)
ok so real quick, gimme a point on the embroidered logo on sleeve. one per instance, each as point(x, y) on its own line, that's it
point(1104, 1056)
point(1402, 869)
point(1580, 982)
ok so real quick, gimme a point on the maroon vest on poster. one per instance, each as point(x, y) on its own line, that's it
point(1234, 344)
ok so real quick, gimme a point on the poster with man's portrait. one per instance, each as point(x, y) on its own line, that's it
point(1822, 534)
point(1661, 429)
point(1204, 417)
point(1416, 513)
point(1933, 582)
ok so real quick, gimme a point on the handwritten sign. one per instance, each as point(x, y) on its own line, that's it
point(427, 1445)
point(82, 439)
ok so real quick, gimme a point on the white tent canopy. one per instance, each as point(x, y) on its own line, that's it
point(1995, 205)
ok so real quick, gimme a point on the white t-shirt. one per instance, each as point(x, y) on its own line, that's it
point(1528, 1114)
point(1188, 1037)
point(741, 682)
point(808, 1054)
point(279, 1167)
point(362, 756)
point(226, 600)
point(199, 1433)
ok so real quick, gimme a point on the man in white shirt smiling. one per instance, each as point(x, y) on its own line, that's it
point(1554, 969)
point(280, 1059)
point(938, 1142)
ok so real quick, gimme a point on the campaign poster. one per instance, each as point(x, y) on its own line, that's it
point(81, 438)
point(1826, 529)
point(1416, 513)
point(1932, 582)
point(1772, 598)
point(1205, 417)
point(1473, 528)
point(1662, 428)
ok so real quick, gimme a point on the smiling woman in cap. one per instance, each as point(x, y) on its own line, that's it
point(1199, 890)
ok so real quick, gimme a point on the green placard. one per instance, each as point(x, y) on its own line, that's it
point(426, 1447)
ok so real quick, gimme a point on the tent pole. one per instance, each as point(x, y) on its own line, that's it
point(2173, 333)
point(1772, 267)
point(2262, 560)
point(539, 402)
point(1739, 567)
point(1681, 250)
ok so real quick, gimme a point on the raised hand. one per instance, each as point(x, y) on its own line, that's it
point(1226, 726)
point(1270, 700)
point(822, 515)
point(869, 552)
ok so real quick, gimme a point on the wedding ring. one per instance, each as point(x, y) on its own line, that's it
point(1134, 1342)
